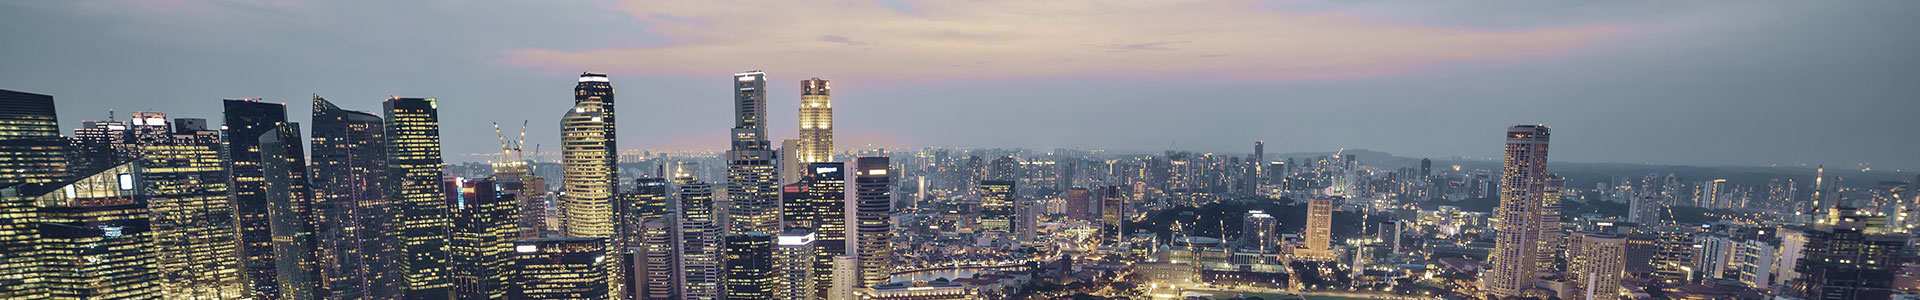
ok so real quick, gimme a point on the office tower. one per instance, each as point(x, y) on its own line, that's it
point(246, 120)
point(996, 205)
point(1550, 241)
point(749, 264)
point(1595, 264)
point(646, 201)
point(1847, 262)
point(816, 120)
point(349, 173)
point(589, 180)
point(1114, 211)
point(1672, 255)
point(1793, 245)
point(290, 213)
point(485, 225)
point(101, 144)
point(873, 197)
point(1081, 206)
point(192, 222)
point(1319, 227)
point(791, 168)
point(1259, 231)
point(753, 188)
point(413, 179)
point(1644, 210)
point(95, 238)
point(561, 268)
point(818, 202)
point(846, 278)
point(595, 87)
point(659, 266)
point(699, 240)
point(30, 139)
point(794, 258)
point(1753, 262)
point(1522, 191)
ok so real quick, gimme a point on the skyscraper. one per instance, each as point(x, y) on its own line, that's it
point(753, 183)
point(193, 226)
point(1522, 191)
point(791, 168)
point(1259, 231)
point(246, 120)
point(1595, 264)
point(818, 202)
point(485, 225)
point(349, 176)
point(816, 120)
point(793, 265)
point(296, 250)
point(1081, 206)
point(749, 264)
point(660, 264)
point(996, 205)
point(31, 151)
point(413, 177)
point(589, 180)
point(95, 234)
point(873, 193)
point(646, 201)
point(1550, 241)
point(1319, 228)
point(561, 268)
point(1113, 214)
point(699, 240)
point(101, 144)
point(596, 86)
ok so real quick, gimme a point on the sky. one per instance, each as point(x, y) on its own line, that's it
point(1664, 82)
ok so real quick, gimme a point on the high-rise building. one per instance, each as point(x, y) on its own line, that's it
point(1114, 210)
point(816, 120)
point(753, 183)
point(873, 197)
point(31, 153)
point(1026, 222)
point(1319, 228)
point(1848, 262)
point(1522, 191)
point(561, 268)
point(589, 178)
point(597, 88)
point(1673, 254)
point(819, 203)
point(96, 240)
point(1551, 243)
point(1081, 206)
point(846, 278)
point(485, 225)
point(794, 258)
point(791, 169)
point(1595, 264)
point(699, 240)
point(192, 220)
point(659, 266)
point(645, 202)
point(996, 205)
point(414, 170)
point(1259, 230)
point(749, 264)
point(101, 144)
point(290, 213)
point(349, 172)
point(246, 120)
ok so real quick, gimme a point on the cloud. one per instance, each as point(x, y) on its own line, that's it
point(1028, 39)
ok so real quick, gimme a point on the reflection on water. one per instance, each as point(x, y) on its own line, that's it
point(936, 274)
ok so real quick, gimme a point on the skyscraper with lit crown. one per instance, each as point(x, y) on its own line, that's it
point(816, 120)
point(753, 183)
point(1523, 190)
point(193, 226)
point(586, 198)
point(873, 207)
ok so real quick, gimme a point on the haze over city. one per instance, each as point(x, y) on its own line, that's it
point(1696, 83)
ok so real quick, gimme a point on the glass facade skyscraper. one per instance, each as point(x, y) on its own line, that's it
point(414, 170)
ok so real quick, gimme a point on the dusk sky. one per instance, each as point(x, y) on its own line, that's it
point(1669, 82)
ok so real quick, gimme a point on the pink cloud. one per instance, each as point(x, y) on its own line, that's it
point(1027, 39)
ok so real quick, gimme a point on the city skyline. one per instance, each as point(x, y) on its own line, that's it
point(1773, 84)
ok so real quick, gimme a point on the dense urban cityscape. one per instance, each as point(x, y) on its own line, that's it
point(170, 207)
point(959, 150)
